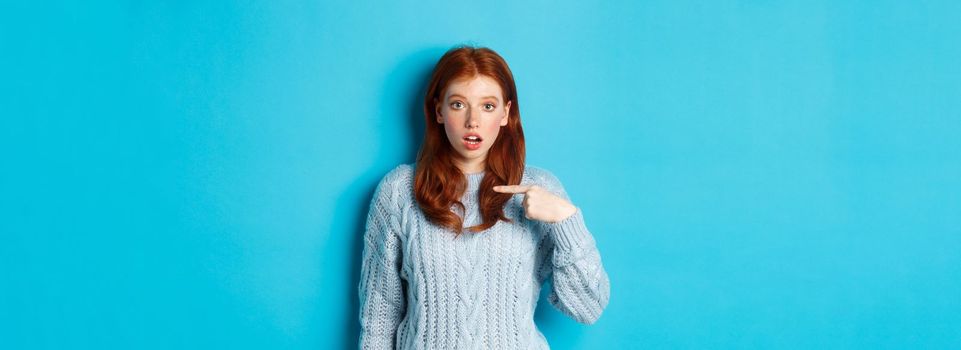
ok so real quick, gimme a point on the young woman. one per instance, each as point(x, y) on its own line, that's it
point(458, 244)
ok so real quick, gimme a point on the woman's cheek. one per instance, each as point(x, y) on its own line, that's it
point(493, 129)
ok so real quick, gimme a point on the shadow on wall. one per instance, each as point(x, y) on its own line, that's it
point(402, 107)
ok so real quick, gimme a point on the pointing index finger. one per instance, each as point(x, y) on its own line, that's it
point(512, 188)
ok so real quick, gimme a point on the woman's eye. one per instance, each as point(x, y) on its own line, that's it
point(457, 105)
point(489, 106)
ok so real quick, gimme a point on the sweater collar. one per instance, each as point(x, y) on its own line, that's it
point(474, 180)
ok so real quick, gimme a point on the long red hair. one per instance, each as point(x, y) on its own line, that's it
point(438, 183)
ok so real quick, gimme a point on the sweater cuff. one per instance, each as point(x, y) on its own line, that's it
point(571, 234)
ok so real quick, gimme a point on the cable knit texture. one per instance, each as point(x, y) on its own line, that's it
point(423, 288)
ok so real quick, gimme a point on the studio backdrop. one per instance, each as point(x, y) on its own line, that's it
point(757, 174)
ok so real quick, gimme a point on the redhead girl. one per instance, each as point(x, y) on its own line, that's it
point(458, 244)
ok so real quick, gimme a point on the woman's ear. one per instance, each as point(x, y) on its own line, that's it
point(507, 113)
point(437, 115)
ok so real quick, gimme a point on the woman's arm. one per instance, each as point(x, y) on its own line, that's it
point(581, 288)
point(382, 299)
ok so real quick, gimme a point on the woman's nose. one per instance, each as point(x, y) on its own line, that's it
point(472, 122)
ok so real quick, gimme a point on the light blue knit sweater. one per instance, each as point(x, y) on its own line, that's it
point(422, 288)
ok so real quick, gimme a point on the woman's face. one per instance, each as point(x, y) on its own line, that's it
point(473, 111)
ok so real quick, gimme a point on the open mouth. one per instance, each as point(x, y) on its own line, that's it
point(473, 139)
point(472, 142)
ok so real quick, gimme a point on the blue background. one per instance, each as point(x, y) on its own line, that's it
point(757, 174)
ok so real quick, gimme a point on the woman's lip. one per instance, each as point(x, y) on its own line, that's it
point(472, 145)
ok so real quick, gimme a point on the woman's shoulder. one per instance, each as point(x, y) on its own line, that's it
point(534, 175)
point(399, 174)
point(397, 182)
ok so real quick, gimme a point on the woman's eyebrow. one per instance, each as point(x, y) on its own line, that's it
point(485, 97)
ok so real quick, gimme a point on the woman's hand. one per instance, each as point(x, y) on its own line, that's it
point(540, 204)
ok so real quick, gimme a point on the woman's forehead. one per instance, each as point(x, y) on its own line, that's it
point(476, 87)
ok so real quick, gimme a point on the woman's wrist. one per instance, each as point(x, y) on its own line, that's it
point(571, 234)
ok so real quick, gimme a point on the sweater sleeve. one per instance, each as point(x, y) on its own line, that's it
point(381, 290)
point(580, 287)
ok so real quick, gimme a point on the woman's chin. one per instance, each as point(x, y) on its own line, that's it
point(472, 155)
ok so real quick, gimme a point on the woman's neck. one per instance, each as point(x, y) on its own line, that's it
point(470, 167)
